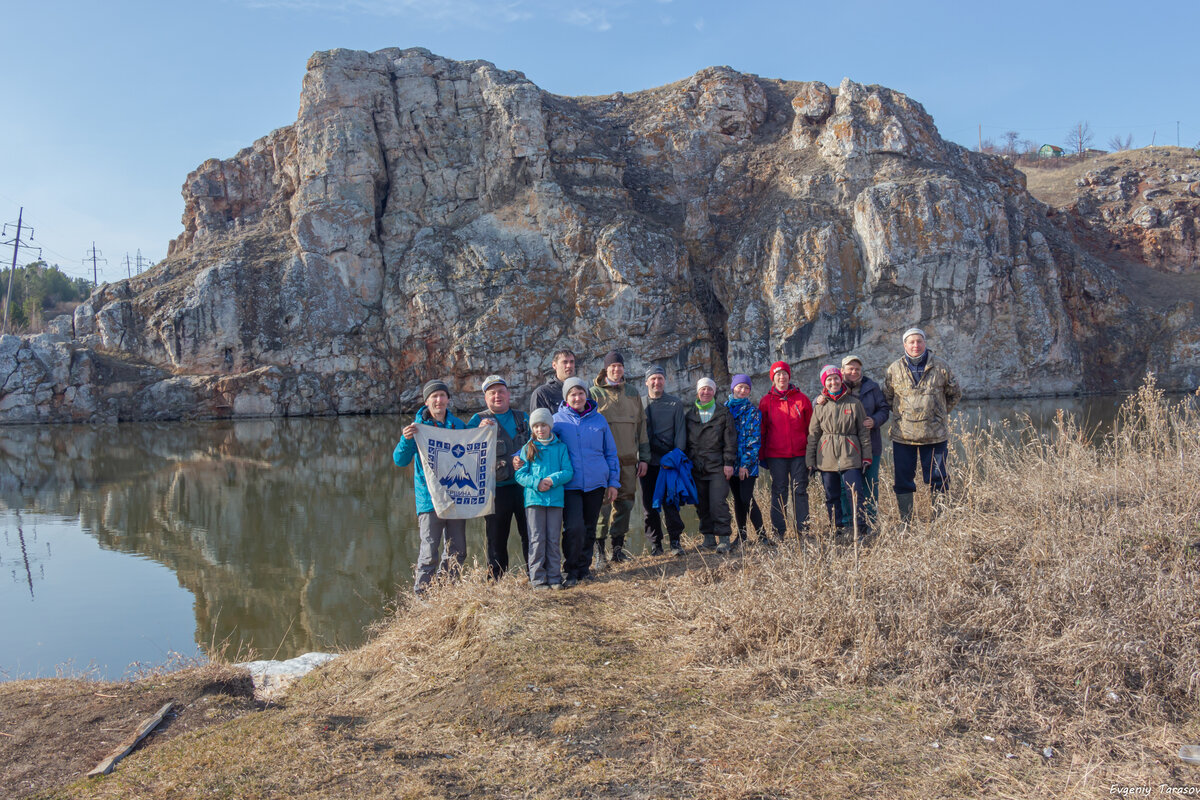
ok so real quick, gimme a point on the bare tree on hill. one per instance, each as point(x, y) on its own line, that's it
point(1010, 143)
point(1116, 143)
point(1079, 138)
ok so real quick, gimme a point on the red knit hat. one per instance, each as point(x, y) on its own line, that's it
point(827, 370)
point(780, 365)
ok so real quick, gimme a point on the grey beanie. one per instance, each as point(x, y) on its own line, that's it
point(542, 416)
point(655, 370)
point(910, 332)
point(434, 385)
point(571, 383)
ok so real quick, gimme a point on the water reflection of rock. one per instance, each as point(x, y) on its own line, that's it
point(289, 533)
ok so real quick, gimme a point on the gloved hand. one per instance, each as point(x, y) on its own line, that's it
point(866, 464)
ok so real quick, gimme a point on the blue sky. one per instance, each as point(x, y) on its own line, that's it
point(108, 106)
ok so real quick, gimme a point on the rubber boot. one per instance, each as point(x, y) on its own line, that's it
point(619, 553)
point(905, 501)
point(723, 546)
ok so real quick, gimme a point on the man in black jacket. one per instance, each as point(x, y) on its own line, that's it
point(549, 394)
point(667, 430)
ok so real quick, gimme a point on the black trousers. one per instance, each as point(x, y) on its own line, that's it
point(509, 506)
point(744, 504)
point(581, 510)
point(652, 518)
point(788, 475)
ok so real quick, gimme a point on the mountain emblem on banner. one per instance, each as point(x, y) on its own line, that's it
point(458, 478)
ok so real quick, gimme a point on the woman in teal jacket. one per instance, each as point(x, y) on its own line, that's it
point(432, 527)
point(543, 469)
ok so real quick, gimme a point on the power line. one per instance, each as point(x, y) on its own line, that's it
point(17, 245)
point(94, 255)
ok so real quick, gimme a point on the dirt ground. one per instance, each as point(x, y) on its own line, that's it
point(53, 731)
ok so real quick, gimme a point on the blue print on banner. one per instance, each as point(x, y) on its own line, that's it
point(461, 469)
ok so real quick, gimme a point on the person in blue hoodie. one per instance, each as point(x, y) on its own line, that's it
point(433, 528)
point(543, 467)
point(596, 475)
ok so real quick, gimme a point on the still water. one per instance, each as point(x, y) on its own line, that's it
point(130, 545)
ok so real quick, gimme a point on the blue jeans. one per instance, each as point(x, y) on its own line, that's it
point(932, 458)
point(870, 492)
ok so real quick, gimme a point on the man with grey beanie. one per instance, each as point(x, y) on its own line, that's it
point(432, 528)
point(922, 391)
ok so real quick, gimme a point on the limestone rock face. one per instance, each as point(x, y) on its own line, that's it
point(432, 218)
point(1148, 212)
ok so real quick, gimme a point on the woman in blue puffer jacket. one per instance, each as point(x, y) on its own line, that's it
point(748, 422)
point(595, 479)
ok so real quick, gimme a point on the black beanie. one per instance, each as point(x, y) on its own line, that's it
point(614, 357)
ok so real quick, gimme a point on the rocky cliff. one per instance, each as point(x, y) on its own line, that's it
point(426, 217)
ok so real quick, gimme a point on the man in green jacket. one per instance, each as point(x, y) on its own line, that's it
point(621, 406)
point(922, 391)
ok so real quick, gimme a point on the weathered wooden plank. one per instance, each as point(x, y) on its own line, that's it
point(143, 730)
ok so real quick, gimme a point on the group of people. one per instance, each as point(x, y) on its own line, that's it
point(567, 473)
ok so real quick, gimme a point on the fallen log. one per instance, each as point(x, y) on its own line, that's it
point(143, 730)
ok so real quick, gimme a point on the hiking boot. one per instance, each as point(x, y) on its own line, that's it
point(557, 586)
point(619, 554)
point(656, 550)
point(570, 582)
point(676, 548)
point(710, 542)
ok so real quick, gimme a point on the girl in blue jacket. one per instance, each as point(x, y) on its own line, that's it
point(432, 527)
point(595, 479)
point(543, 468)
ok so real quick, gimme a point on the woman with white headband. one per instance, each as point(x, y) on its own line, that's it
point(712, 449)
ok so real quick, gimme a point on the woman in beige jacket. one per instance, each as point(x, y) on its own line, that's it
point(839, 446)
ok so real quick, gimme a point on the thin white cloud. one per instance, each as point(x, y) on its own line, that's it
point(594, 18)
point(598, 15)
point(699, 24)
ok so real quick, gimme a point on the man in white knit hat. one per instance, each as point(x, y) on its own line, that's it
point(921, 391)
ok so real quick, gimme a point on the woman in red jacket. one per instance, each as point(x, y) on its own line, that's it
point(786, 413)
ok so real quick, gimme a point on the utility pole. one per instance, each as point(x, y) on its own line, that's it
point(17, 244)
point(1177, 133)
point(981, 137)
point(94, 256)
point(128, 272)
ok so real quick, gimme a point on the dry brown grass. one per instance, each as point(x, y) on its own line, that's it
point(1051, 605)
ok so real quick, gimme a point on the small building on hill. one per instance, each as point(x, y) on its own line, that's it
point(1051, 151)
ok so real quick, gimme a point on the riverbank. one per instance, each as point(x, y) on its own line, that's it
point(1038, 637)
